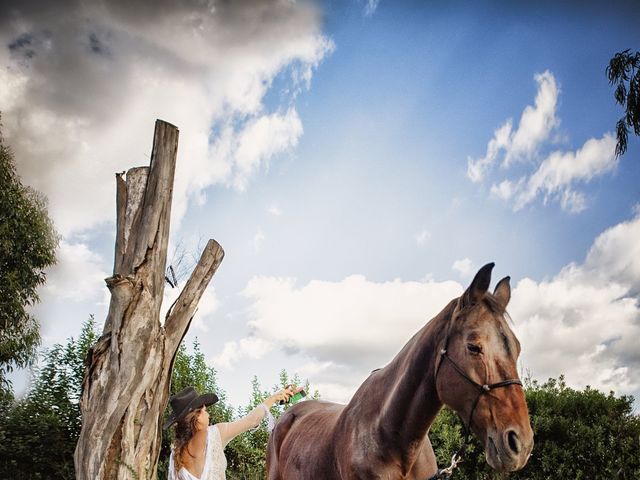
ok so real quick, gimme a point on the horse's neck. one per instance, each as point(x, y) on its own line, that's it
point(404, 392)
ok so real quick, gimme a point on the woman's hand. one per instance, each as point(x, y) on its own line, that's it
point(282, 395)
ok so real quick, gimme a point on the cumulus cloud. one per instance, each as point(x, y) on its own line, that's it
point(245, 348)
point(379, 315)
point(78, 275)
point(615, 256)
point(555, 176)
point(82, 86)
point(583, 322)
point(75, 288)
point(346, 328)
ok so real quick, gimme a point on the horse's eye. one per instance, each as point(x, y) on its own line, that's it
point(474, 349)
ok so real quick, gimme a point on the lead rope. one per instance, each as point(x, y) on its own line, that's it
point(445, 473)
point(456, 458)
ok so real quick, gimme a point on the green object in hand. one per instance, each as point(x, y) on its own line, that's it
point(296, 398)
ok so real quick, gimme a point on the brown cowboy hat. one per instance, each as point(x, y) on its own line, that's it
point(186, 401)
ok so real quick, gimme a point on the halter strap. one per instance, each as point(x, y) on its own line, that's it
point(483, 388)
point(446, 473)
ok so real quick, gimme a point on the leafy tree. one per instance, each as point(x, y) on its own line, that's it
point(192, 370)
point(582, 434)
point(246, 454)
point(624, 72)
point(27, 246)
point(578, 434)
point(38, 434)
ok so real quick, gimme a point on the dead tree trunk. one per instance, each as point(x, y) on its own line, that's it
point(126, 383)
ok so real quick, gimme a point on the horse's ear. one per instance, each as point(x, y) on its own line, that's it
point(503, 292)
point(479, 286)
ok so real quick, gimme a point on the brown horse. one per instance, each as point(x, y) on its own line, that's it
point(464, 358)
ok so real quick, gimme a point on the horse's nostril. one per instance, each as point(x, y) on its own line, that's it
point(514, 441)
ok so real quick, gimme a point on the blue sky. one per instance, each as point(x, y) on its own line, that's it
point(329, 147)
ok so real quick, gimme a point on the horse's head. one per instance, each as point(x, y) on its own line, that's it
point(477, 377)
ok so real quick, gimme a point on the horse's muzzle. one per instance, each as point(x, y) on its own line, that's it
point(509, 450)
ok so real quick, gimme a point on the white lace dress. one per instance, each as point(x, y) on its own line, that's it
point(218, 436)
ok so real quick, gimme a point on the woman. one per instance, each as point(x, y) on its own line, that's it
point(198, 450)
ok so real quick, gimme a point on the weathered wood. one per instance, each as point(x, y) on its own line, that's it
point(183, 309)
point(127, 376)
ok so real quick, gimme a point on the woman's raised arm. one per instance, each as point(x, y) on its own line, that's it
point(230, 430)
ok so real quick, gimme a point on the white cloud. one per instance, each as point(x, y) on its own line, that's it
point(260, 140)
point(535, 127)
point(371, 7)
point(476, 169)
point(615, 255)
point(82, 87)
point(464, 267)
point(335, 313)
point(274, 210)
point(556, 176)
point(335, 392)
point(504, 190)
point(78, 275)
point(346, 328)
point(584, 322)
point(423, 237)
point(246, 348)
point(204, 314)
point(561, 170)
point(573, 202)
point(536, 122)
point(207, 307)
point(75, 289)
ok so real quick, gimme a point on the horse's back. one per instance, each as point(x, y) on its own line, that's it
point(302, 440)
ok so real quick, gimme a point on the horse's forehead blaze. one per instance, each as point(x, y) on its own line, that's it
point(481, 325)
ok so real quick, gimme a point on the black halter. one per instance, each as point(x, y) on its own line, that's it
point(482, 389)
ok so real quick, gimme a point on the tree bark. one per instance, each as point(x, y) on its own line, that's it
point(128, 370)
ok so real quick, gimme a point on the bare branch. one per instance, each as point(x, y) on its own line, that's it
point(184, 307)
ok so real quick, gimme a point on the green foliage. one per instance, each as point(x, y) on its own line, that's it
point(38, 434)
point(192, 370)
point(578, 434)
point(27, 246)
point(623, 71)
point(582, 434)
point(246, 454)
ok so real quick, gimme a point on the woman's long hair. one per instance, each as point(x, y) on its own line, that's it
point(185, 429)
